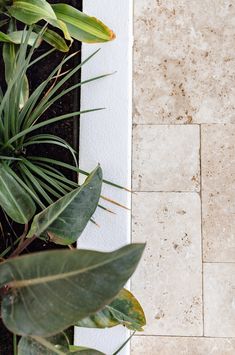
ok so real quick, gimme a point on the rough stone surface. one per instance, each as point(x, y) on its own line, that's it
point(166, 158)
point(218, 192)
point(219, 299)
point(169, 281)
point(181, 346)
point(184, 61)
point(184, 164)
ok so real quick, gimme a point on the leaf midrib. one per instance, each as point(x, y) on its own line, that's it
point(84, 25)
point(34, 9)
point(61, 276)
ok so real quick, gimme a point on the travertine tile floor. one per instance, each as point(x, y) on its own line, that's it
point(184, 175)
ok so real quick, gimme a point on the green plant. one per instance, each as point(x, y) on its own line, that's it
point(44, 293)
point(19, 171)
point(73, 23)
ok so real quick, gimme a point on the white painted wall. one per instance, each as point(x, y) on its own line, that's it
point(105, 138)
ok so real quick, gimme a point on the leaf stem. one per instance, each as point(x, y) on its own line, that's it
point(22, 247)
point(15, 344)
point(22, 237)
point(124, 344)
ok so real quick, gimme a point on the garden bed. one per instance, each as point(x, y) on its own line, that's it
point(68, 130)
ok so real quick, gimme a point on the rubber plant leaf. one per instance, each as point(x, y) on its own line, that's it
point(51, 346)
point(47, 292)
point(14, 199)
point(32, 11)
point(124, 309)
point(65, 220)
point(81, 26)
point(83, 351)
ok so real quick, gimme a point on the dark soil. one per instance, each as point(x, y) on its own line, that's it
point(68, 130)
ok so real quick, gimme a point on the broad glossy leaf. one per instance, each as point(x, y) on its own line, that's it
point(57, 345)
point(49, 291)
point(14, 199)
point(83, 351)
point(81, 26)
point(66, 219)
point(124, 309)
point(32, 11)
point(54, 39)
point(31, 346)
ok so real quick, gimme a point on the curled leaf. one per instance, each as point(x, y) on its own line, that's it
point(124, 310)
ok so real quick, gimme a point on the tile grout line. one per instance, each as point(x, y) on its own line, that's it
point(134, 124)
point(182, 336)
point(218, 262)
point(166, 191)
point(201, 196)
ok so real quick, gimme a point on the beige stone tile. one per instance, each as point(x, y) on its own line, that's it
point(219, 299)
point(218, 192)
point(142, 345)
point(168, 282)
point(166, 158)
point(184, 59)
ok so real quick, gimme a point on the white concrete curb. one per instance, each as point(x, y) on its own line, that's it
point(105, 138)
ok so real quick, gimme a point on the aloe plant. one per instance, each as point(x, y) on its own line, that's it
point(41, 183)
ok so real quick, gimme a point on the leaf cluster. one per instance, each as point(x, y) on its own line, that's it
point(71, 23)
point(44, 293)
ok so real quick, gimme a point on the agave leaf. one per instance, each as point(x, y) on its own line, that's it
point(9, 57)
point(49, 291)
point(65, 219)
point(14, 199)
point(124, 309)
point(81, 26)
